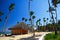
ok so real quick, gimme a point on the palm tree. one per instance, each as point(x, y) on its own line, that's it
point(47, 20)
point(32, 18)
point(39, 21)
point(24, 19)
point(11, 7)
point(36, 23)
point(31, 14)
point(52, 17)
point(44, 21)
point(44, 24)
point(55, 2)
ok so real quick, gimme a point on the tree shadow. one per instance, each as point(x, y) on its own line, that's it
point(30, 38)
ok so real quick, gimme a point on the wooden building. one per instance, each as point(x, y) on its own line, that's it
point(20, 28)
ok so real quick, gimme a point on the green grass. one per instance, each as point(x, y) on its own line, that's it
point(52, 36)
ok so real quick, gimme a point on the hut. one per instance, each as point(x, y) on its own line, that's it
point(20, 28)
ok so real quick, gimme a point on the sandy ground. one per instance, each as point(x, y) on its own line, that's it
point(24, 37)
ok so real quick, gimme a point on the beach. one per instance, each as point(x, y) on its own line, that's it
point(24, 37)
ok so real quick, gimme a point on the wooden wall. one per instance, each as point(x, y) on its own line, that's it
point(19, 31)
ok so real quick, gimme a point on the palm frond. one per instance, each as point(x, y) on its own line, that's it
point(11, 6)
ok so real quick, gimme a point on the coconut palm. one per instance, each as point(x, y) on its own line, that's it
point(37, 22)
point(55, 2)
point(44, 21)
point(11, 7)
point(32, 18)
point(31, 14)
point(52, 17)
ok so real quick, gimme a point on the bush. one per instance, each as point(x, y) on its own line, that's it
point(52, 36)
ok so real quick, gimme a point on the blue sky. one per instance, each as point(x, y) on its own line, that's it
point(21, 10)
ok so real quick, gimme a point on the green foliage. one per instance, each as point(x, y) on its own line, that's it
point(44, 20)
point(54, 2)
point(58, 21)
point(29, 19)
point(47, 19)
point(33, 17)
point(23, 18)
point(31, 13)
point(11, 6)
point(52, 36)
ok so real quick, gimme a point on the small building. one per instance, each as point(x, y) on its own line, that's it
point(20, 28)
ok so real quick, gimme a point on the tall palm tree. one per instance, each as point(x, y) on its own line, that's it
point(31, 14)
point(33, 17)
point(52, 17)
point(32, 24)
point(55, 2)
point(11, 7)
point(44, 20)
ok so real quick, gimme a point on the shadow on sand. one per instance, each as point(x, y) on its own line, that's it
point(30, 38)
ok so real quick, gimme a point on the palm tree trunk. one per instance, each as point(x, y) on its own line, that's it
point(5, 23)
point(56, 21)
point(53, 19)
point(30, 17)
